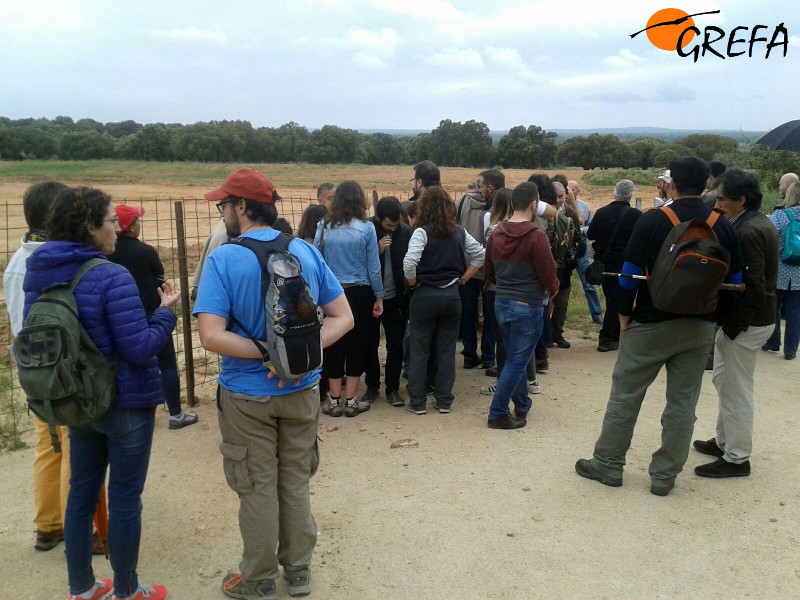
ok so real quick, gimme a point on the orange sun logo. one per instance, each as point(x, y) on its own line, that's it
point(666, 33)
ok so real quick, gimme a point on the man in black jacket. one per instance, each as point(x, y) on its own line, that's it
point(393, 236)
point(744, 329)
point(652, 339)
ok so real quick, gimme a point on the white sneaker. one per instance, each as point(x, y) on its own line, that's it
point(332, 407)
point(489, 390)
point(533, 387)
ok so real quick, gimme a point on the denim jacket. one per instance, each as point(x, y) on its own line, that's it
point(351, 251)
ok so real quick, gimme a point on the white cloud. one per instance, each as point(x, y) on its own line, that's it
point(505, 57)
point(383, 42)
point(794, 40)
point(623, 59)
point(429, 10)
point(190, 34)
point(455, 58)
point(369, 61)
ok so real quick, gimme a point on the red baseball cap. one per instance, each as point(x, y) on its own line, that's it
point(245, 183)
point(127, 215)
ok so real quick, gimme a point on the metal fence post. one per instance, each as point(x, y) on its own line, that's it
point(183, 271)
point(639, 203)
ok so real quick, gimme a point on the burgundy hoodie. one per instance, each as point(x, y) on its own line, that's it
point(519, 262)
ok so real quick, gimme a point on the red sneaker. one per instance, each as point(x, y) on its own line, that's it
point(100, 591)
point(146, 592)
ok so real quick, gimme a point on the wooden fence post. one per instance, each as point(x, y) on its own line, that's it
point(186, 311)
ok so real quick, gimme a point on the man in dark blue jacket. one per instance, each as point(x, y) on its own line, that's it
point(651, 339)
point(393, 236)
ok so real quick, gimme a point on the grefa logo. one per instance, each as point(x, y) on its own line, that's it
point(673, 29)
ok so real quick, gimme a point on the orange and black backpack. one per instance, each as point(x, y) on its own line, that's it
point(689, 268)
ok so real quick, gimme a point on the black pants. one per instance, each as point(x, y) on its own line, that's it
point(610, 330)
point(348, 356)
point(561, 302)
point(394, 320)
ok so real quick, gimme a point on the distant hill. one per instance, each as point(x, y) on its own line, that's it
point(624, 133)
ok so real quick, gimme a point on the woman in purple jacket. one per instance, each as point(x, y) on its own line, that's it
point(82, 225)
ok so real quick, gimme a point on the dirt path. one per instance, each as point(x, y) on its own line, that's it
point(472, 512)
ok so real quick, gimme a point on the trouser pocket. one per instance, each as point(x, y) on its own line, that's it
point(234, 464)
point(315, 457)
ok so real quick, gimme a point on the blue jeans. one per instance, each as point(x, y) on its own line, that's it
point(470, 293)
point(520, 326)
point(592, 299)
point(122, 440)
point(788, 302)
point(168, 365)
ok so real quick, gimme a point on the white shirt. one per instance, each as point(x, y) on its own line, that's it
point(12, 283)
point(417, 243)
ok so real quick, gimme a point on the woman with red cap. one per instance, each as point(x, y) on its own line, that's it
point(144, 264)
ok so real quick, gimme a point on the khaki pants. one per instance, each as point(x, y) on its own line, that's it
point(50, 478)
point(269, 449)
point(734, 367)
point(682, 346)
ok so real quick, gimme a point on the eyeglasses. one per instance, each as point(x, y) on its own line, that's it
point(114, 221)
point(221, 206)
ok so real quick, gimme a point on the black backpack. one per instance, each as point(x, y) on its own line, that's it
point(689, 268)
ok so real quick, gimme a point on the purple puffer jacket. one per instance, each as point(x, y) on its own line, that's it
point(111, 311)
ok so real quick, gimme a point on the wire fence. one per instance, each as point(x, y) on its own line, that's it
point(178, 229)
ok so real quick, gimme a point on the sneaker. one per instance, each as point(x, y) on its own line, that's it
point(470, 362)
point(332, 407)
point(182, 420)
point(598, 320)
point(533, 386)
point(708, 447)
point(299, 585)
point(354, 407)
point(156, 592)
point(768, 348)
point(562, 343)
point(522, 417)
point(607, 346)
point(372, 394)
point(721, 468)
point(542, 365)
point(394, 398)
point(47, 540)
point(485, 365)
point(789, 356)
point(489, 390)
point(233, 587)
point(491, 372)
point(505, 422)
point(101, 590)
point(584, 468)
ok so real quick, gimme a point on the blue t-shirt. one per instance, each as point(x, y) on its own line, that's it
point(231, 281)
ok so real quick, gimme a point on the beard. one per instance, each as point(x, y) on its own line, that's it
point(233, 230)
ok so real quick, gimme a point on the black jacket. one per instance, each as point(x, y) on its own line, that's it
point(143, 263)
point(602, 226)
point(400, 239)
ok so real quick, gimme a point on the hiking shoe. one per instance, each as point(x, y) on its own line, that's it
point(354, 407)
point(332, 407)
point(489, 390)
point(47, 540)
point(522, 417)
point(708, 447)
point(584, 468)
point(156, 592)
point(394, 398)
point(542, 365)
point(505, 422)
point(598, 320)
point(607, 346)
point(533, 386)
point(233, 587)
point(299, 585)
point(182, 420)
point(562, 343)
point(101, 590)
point(721, 468)
point(491, 372)
point(470, 362)
point(372, 394)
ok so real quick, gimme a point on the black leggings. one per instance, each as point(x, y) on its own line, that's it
point(348, 356)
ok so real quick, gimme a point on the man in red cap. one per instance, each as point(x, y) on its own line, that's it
point(268, 427)
point(144, 264)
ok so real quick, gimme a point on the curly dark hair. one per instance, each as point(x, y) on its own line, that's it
point(36, 204)
point(349, 202)
point(308, 222)
point(547, 193)
point(73, 210)
point(437, 212)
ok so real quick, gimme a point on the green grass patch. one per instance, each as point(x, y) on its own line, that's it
point(578, 316)
point(610, 177)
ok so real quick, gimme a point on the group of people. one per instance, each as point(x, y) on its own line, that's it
point(421, 271)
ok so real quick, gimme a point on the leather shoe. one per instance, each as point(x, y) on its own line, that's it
point(562, 343)
point(584, 468)
point(607, 346)
point(470, 362)
point(542, 365)
point(505, 422)
point(721, 468)
point(372, 394)
point(708, 447)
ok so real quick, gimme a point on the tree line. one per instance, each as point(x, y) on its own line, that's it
point(452, 143)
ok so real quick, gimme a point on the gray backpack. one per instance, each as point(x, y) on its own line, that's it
point(294, 321)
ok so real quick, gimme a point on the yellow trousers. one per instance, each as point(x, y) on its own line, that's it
point(50, 478)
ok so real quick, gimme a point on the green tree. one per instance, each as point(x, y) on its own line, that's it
point(85, 145)
point(707, 146)
point(593, 151)
point(455, 144)
point(644, 149)
point(530, 148)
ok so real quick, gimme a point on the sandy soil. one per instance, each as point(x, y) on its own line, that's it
point(473, 512)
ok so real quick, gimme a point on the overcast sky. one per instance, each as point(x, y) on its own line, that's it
point(382, 64)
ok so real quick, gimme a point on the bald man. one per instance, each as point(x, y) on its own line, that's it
point(589, 291)
point(787, 180)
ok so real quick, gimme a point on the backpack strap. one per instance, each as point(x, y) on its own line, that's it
point(85, 268)
point(460, 206)
point(671, 215)
point(789, 213)
point(712, 219)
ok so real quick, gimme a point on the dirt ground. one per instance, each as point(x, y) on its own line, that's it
point(473, 512)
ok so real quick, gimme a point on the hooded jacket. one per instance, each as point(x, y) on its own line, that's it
point(111, 311)
point(469, 213)
point(13, 277)
point(520, 264)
